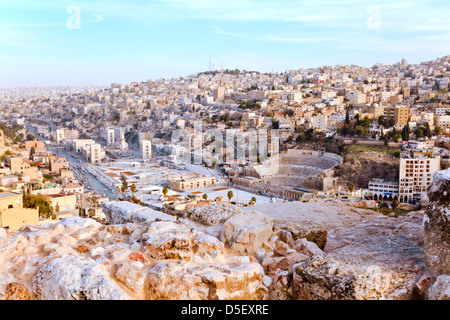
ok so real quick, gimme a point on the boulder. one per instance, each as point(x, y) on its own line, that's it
point(246, 232)
point(213, 213)
point(73, 277)
point(17, 291)
point(173, 240)
point(119, 212)
point(376, 259)
point(320, 278)
point(131, 275)
point(200, 281)
point(308, 229)
point(436, 223)
point(440, 290)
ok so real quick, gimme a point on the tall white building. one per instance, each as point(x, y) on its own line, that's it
point(146, 149)
point(96, 153)
point(416, 175)
point(110, 136)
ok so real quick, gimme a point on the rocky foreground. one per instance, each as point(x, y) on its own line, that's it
point(272, 251)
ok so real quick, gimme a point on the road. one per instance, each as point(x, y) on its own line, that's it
point(90, 182)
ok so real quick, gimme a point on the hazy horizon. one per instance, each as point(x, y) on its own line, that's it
point(96, 43)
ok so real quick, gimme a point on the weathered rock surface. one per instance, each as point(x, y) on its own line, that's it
point(437, 225)
point(118, 212)
point(363, 249)
point(80, 258)
point(175, 281)
point(308, 229)
point(213, 213)
point(440, 290)
point(266, 254)
point(246, 232)
point(72, 277)
point(17, 291)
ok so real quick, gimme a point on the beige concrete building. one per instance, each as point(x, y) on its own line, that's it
point(66, 174)
point(63, 202)
point(57, 164)
point(416, 175)
point(12, 213)
point(37, 145)
point(190, 181)
point(18, 165)
point(400, 114)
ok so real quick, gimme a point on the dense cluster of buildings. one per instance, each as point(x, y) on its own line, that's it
point(138, 120)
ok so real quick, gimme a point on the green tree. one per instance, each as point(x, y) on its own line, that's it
point(133, 188)
point(427, 130)
point(38, 201)
point(405, 132)
point(275, 124)
point(165, 190)
point(253, 200)
point(230, 195)
point(351, 187)
point(205, 196)
point(347, 117)
point(124, 182)
point(397, 137)
point(418, 132)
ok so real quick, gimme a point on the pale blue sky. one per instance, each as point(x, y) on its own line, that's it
point(136, 40)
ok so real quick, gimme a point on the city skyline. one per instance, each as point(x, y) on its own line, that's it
point(97, 43)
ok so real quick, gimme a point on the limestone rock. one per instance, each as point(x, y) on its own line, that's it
point(132, 275)
point(320, 278)
point(310, 230)
point(17, 291)
point(119, 212)
point(213, 213)
point(181, 281)
point(440, 290)
point(247, 232)
point(307, 247)
point(74, 277)
point(375, 259)
point(171, 240)
point(437, 225)
point(168, 240)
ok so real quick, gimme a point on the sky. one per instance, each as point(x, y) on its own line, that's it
point(99, 42)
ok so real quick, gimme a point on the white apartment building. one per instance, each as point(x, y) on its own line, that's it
point(416, 175)
point(59, 135)
point(325, 94)
point(418, 146)
point(442, 111)
point(295, 96)
point(110, 136)
point(95, 153)
point(356, 97)
point(62, 134)
point(146, 149)
point(443, 122)
point(319, 122)
point(385, 96)
point(79, 144)
point(381, 189)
